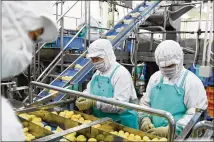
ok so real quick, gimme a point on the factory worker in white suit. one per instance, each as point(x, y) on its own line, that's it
point(173, 89)
point(23, 24)
point(112, 81)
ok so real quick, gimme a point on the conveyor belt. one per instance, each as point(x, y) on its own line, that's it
point(79, 69)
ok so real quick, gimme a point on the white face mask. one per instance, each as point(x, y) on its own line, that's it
point(16, 51)
point(100, 66)
point(169, 72)
point(103, 65)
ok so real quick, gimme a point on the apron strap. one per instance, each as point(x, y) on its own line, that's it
point(183, 80)
point(161, 80)
point(114, 72)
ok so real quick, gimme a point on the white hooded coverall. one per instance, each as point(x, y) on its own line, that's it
point(124, 90)
point(168, 53)
point(19, 18)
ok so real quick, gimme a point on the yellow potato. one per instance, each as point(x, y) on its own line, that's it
point(40, 124)
point(25, 124)
point(74, 117)
point(71, 138)
point(155, 139)
point(26, 133)
point(146, 139)
point(127, 134)
point(78, 116)
point(124, 136)
point(81, 119)
point(67, 78)
point(69, 114)
point(58, 129)
point(29, 135)
point(27, 138)
point(64, 140)
point(87, 121)
point(137, 138)
point(33, 137)
point(109, 138)
point(92, 140)
point(131, 138)
point(52, 91)
point(54, 112)
point(37, 119)
point(163, 139)
point(62, 114)
point(22, 115)
point(48, 128)
point(26, 129)
point(97, 126)
point(132, 135)
point(100, 137)
point(81, 138)
point(78, 66)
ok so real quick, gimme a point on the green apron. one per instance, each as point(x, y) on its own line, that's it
point(101, 86)
point(169, 98)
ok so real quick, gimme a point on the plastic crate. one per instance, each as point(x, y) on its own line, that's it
point(210, 92)
point(77, 43)
point(206, 81)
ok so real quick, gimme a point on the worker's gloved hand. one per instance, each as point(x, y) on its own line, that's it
point(146, 124)
point(160, 131)
point(84, 103)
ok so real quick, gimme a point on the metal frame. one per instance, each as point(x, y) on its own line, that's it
point(187, 130)
point(57, 136)
point(60, 19)
point(55, 59)
point(202, 124)
point(156, 112)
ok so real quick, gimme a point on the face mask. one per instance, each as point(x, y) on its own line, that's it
point(169, 72)
point(16, 51)
point(100, 66)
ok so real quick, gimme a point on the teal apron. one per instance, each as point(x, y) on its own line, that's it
point(101, 86)
point(169, 98)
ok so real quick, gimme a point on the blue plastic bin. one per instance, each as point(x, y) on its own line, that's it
point(77, 43)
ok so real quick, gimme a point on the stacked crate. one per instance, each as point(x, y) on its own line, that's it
point(210, 97)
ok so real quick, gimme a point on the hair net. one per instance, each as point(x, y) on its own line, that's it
point(102, 48)
point(169, 52)
point(30, 18)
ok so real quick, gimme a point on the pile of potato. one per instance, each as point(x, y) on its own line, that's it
point(81, 138)
point(75, 117)
point(28, 135)
point(32, 118)
point(132, 137)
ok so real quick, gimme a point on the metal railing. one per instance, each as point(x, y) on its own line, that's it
point(202, 124)
point(156, 112)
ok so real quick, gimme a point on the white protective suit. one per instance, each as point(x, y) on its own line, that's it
point(19, 18)
point(167, 54)
point(124, 90)
point(94, 33)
